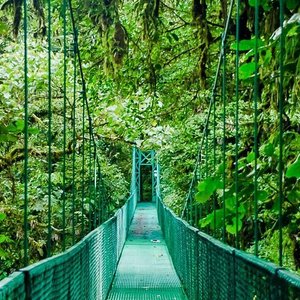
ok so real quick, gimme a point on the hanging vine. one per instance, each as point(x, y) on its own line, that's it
point(199, 13)
point(17, 7)
point(105, 16)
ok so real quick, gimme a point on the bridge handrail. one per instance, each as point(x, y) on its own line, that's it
point(80, 272)
point(210, 269)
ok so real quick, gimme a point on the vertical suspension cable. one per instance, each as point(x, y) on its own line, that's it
point(196, 217)
point(64, 120)
point(236, 178)
point(206, 153)
point(90, 181)
point(211, 103)
point(99, 193)
point(204, 207)
point(85, 107)
point(214, 164)
point(199, 178)
point(224, 136)
point(100, 190)
point(74, 141)
point(256, 126)
point(102, 195)
point(83, 166)
point(190, 212)
point(49, 131)
point(84, 95)
point(25, 134)
point(281, 99)
point(95, 184)
point(105, 204)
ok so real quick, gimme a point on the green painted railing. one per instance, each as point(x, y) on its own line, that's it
point(85, 271)
point(209, 269)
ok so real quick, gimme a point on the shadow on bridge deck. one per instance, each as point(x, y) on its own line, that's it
point(145, 270)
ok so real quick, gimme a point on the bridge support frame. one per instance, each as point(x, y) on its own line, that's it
point(142, 159)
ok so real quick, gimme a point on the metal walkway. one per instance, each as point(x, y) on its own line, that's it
point(145, 270)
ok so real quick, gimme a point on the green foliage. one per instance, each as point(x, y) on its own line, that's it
point(292, 4)
point(207, 188)
point(149, 74)
point(264, 3)
point(245, 45)
point(294, 169)
point(114, 184)
point(181, 147)
point(4, 239)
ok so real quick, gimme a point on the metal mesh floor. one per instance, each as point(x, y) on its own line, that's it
point(145, 270)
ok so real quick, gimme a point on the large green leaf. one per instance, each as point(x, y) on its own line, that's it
point(230, 203)
point(294, 169)
point(206, 221)
point(206, 189)
point(242, 210)
point(268, 149)
point(4, 239)
point(292, 4)
point(245, 45)
point(264, 3)
point(209, 219)
point(3, 129)
point(3, 254)
point(262, 195)
point(231, 228)
point(294, 196)
point(33, 130)
point(7, 138)
point(4, 28)
point(2, 216)
point(247, 70)
point(17, 126)
point(250, 157)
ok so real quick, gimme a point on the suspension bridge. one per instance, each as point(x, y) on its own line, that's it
point(144, 250)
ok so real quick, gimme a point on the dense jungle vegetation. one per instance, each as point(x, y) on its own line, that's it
point(149, 67)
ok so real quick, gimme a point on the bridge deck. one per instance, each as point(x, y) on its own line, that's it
point(145, 270)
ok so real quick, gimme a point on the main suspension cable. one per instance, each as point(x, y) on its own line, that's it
point(281, 100)
point(224, 103)
point(64, 120)
point(49, 234)
point(237, 66)
point(255, 100)
point(74, 191)
point(26, 257)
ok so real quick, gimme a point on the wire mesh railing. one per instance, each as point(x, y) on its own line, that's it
point(210, 269)
point(242, 189)
point(84, 271)
point(56, 191)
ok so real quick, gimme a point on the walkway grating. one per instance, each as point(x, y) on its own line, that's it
point(145, 270)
